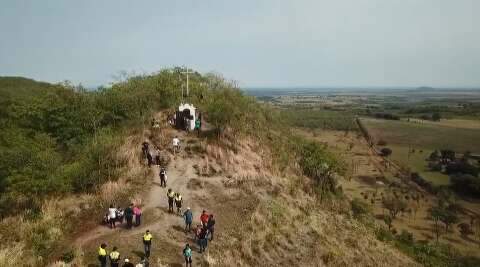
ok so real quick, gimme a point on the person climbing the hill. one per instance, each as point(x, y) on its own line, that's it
point(171, 197)
point(127, 263)
point(129, 216)
point(145, 148)
point(114, 257)
point(163, 177)
point(157, 156)
point(147, 243)
point(197, 127)
point(112, 216)
point(196, 235)
point(188, 217)
point(187, 253)
point(106, 219)
point(176, 145)
point(204, 218)
point(211, 226)
point(153, 153)
point(149, 159)
point(202, 239)
point(102, 255)
point(120, 215)
point(138, 214)
point(178, 203)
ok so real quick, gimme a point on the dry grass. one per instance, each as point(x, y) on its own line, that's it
point(12, 255)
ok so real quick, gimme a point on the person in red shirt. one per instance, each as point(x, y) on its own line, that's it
point(204, 218)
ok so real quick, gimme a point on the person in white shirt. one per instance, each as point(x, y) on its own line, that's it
point(176, 144)
point(112, 215)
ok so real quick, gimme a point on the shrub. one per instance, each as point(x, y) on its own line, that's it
point(386, 151)
point(416, 178)
point(394, 205)
point(359, 208)
point(383, 234)
point(461, 167)
point(405, 237)
point(387, 116)
point(465, 229)
point(466, 184)
point(388, 221)
point(435, 166)
point(320, 165)
point(434, 156)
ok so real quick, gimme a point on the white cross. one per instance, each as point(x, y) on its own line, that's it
point(187, 72)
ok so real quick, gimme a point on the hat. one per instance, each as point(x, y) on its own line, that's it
point(127, 260)
point(188, 208)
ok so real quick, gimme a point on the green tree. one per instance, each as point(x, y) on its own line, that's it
point(394, 205)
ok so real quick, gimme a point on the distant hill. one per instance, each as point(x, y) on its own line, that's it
point(20, 86)
point(423, 89)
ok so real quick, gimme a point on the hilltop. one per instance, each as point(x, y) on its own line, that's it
point(275, 194)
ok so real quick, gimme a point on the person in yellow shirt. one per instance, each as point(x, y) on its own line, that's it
point(102, 255)
point(147, 243)
point(114, 257)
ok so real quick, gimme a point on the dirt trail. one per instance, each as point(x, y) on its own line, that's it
point(165, 226)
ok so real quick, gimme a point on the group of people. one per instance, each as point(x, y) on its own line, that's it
point(118, 215)
point(172, 120)
point(176, 198)
point(202, 233)
point(114, 255)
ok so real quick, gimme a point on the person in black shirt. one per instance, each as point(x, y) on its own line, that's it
point(211, 226)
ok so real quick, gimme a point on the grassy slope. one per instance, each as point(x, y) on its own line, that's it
point(282, 220)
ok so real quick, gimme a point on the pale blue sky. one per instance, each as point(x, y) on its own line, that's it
point(256, 42)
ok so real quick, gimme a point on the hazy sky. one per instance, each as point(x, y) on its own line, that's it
point(256, 42)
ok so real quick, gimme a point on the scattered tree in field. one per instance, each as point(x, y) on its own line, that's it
point(466, 184)
point(435, 166)
point(445, 198)
point(448, 218)
point(436, 214)
point(434, 156)
point(436, 116)
point(447, 155)
point(463, 167)
point(465, 229)
point(394, 205)
point(414, 208)
point(386, 152)
point(388, 221)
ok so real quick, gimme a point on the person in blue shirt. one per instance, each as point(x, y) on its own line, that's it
point(188, 217)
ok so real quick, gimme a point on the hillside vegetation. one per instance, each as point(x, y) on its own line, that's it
point(66, 154)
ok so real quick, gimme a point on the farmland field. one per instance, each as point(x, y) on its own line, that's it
point(417, 163)
point(421, 139)
point(428, 136)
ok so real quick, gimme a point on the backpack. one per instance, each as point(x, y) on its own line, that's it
point(187, 252)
